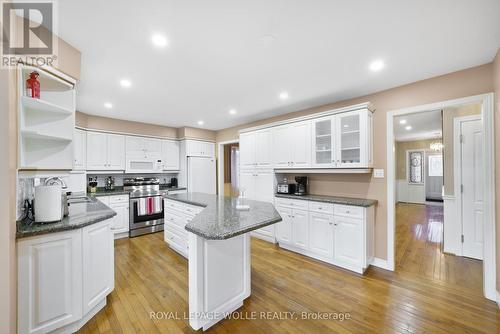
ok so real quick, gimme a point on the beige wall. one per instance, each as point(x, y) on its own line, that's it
point(118, 125)
point(473, 81)
point(8, 165)
point(402, 147)
point(449, 114)
point(196, 133)
point(496, 78)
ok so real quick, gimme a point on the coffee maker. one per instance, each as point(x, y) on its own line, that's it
point(301, 186)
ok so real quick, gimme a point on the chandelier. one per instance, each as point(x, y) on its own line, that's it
point(437, 146)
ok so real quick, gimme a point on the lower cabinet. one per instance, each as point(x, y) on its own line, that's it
point(120, 222)
point(177, 215)
point(64, 278)
point(338, 234)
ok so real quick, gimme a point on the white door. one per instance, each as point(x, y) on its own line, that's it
point(434, 176)
point(97, 155)
point(348, 240)
point(415, 176)
point(321, 234)
point(300, 144)
point(208, 149)
point(201, 175)
point(300, 229)
point(264, 191)
point(80, 150)
point(263, 148)
point(152, 146)
point(170, 155)
point(284, 227)
point(50, 282)
point(282, 147)
point(116, 152)
point(98, 263)
point(247, 150)
point(134, 145)
point(472, 194)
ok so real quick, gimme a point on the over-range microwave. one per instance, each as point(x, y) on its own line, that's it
point(143, 164)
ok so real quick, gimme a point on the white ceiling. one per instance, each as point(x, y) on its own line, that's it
point(424, 125)
point(235, 54)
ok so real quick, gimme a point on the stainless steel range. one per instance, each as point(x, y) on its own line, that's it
point(146, 205)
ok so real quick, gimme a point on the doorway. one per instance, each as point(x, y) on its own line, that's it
point(425, 240)
point(228, 170)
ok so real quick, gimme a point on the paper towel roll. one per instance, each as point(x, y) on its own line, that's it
point(48, 204)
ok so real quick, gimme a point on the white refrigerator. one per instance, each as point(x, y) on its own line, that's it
point(201, 175)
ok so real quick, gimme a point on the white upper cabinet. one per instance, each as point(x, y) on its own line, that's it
point(142, 146)
point(80, 150)
point(170, 154)
point(105, 151)
point(292, 145)
point(198, 148)
point(343, 140)
point(255, 149)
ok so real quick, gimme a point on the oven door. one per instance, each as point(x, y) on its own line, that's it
point(146, 211)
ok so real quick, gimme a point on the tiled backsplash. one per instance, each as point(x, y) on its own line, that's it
point(101, 178)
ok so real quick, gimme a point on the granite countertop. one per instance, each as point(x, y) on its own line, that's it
point(101, 191)
point(221, 220)
point(80, 215)
point(332, 199)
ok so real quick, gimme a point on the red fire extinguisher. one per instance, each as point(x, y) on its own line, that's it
point(33, 86)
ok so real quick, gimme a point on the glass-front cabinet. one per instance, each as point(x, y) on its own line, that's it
point(343, 140)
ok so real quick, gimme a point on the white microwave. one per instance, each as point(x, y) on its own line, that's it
point(143, 164)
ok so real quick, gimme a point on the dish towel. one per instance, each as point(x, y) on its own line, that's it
point(142, 207)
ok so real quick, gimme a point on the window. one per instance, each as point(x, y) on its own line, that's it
point(436, 165)
point(416, 167)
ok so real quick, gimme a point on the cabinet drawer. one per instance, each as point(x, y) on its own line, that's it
point(176, 240)
point(321, 207)
point(184, 208)
point(173, 218)
point(118, 199)
point(292, 203)
point(172, 228)
point(348, 211)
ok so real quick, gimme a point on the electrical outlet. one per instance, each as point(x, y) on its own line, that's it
point(378, 173)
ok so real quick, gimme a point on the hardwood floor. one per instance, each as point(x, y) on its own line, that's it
point(416, 298)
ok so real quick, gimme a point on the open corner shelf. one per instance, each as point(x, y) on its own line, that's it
point(44, 106)
point(44, 136)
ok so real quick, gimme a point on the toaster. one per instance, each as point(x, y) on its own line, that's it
point(285, 188)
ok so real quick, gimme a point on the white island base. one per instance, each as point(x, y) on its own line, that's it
point(219, 278)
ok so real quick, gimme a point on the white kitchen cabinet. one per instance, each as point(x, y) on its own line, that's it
point(255, 149)
point(300, 229)
point(120, 222)
point(284, 227)
point(105, 151)
point(258, 185)
point(136, 145)
point(170, 155)
point(321, 234)
point(98, 264)
point(64, 278)
point(80, 150)
point(348, 241)
point(339, 234)
point(198, 148)
point(50, 282)
point(291, 145)
point(343, 140)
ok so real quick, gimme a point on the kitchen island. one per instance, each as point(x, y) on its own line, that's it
point(219, 251)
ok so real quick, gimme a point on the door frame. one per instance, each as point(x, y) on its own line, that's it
point(220, 163)
point(486, 101)
point(457, 168)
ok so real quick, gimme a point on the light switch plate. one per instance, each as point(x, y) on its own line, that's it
point(378, 173)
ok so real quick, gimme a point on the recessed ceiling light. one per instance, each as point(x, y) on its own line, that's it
point(403, 121)
point(284, 95)
point(159, 40)
point(346, 125)
point(108, 105)
point(232, 111)
point(201, 122)
point(377, 65)
point(125, 83)
point(408, 127)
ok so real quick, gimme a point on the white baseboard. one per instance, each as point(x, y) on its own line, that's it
point(380, 263)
